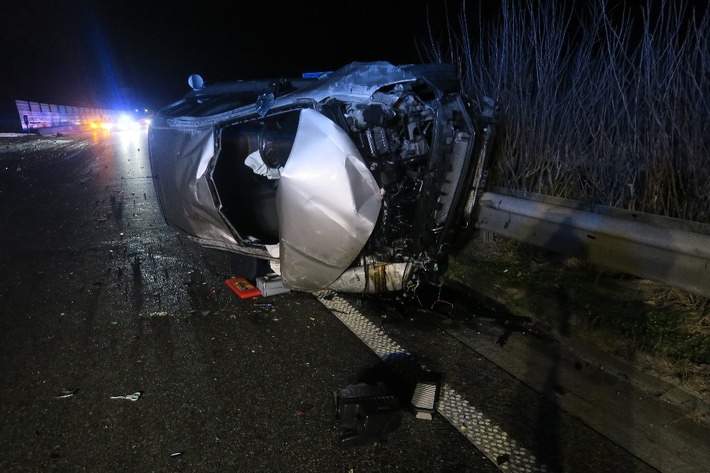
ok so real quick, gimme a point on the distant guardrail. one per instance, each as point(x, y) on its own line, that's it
point(36, 115)
point(670, 251)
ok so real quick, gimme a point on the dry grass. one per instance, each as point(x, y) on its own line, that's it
point(607, 106)
point(660, 330)
point(691, 377)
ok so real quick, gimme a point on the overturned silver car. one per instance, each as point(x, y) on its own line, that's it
point(355, 180)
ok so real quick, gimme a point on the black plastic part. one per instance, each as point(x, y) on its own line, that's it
point(249, 267)
point(367, 413)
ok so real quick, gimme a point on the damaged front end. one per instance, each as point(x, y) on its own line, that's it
point(356, 181)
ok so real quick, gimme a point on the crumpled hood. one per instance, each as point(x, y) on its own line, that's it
point(328, 204)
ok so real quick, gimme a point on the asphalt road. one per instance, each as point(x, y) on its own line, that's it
point(98, 295)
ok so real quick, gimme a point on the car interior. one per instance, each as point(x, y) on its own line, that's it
point(248, 200)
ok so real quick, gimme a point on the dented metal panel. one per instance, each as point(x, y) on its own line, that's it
point(328, 203)
point(356, 81)
point(180, 160)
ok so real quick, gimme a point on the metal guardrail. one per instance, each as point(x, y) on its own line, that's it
point(669, 251)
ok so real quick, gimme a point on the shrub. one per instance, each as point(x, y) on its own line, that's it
point(606, 105)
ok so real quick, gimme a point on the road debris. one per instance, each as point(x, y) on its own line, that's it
point(426, 395)
point(241, 287)
point(367, 413)
point(66, 393)
point(302, 410)
point(129, 397)
point(177, 454)
point(161, 313)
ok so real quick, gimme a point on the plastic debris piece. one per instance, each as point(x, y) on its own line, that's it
point(129, 397)
point(426, 395)
point(66, 393)
point(271, 285)
point(367, 413)
point(243, 288)
point(177, 454)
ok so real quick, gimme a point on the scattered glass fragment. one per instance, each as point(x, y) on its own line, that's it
point(129, 397)
point(66, 393)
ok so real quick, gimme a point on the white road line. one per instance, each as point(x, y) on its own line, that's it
point(490, 439)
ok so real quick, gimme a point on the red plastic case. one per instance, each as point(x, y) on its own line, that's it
point(243, 288)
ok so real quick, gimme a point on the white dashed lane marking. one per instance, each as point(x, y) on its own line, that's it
point(490, 439)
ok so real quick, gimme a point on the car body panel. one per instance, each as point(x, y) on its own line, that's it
point(372, 164)
point(328, 203)
point(182, 185)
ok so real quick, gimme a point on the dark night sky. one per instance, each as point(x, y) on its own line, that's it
point(84, 52)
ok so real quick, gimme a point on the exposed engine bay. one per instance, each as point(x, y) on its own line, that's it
point(415, 151)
